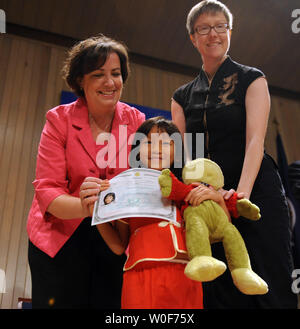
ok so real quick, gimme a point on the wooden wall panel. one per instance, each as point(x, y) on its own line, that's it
point(35, 86)
point(152, 87)
point(28, 86)
point(285, 120)
point(31, 84)
point(15, 187)
point(158, 30)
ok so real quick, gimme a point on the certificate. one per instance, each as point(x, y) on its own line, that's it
point(133, 193)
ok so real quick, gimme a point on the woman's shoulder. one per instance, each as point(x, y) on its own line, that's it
point(181, 93)
point(247, 70)
point(63, 110)
point(245, 74)
point(131, 113)
point(128, 108)
point(189, 85)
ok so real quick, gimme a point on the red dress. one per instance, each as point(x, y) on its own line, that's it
point(153, 278)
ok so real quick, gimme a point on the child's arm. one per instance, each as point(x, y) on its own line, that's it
point(116, 235)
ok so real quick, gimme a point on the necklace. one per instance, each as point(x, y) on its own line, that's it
point(96, 128)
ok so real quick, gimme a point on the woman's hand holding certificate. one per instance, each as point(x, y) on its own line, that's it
point(89, 193)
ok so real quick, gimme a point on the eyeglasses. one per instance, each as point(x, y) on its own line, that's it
point(205, 29)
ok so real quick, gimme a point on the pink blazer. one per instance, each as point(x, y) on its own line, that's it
point(66, 155)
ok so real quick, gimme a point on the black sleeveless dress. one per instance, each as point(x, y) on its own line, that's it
point(218, 111)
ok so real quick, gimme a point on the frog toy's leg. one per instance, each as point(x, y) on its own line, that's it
point(247, 209)
point(242, 207)
point(165, 182)
point(244, 278)
point(202, 266)
point(171, 187)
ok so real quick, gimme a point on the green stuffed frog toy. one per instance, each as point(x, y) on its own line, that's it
point(208, 223)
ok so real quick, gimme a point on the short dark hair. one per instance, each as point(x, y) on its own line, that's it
point(90, 54)
point(163, 125)
point(205, 7)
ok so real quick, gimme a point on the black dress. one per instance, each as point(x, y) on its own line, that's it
point(218, 111)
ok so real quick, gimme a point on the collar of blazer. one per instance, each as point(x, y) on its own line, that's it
point(80, 120)
point(80, 116)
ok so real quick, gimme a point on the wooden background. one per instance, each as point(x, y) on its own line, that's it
point(30, 84)
point(262, 35)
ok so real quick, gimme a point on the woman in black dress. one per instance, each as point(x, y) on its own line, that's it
point(230, 104)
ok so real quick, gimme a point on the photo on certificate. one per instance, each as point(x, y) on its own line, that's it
point(133, 193)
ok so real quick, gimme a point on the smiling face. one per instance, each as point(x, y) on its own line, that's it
point(103, 87)
point(157, 150)
point(213, 46)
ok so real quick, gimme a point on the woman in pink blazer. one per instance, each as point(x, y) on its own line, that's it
point(71, 266)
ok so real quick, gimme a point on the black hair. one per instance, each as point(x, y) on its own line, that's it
point(163, 125)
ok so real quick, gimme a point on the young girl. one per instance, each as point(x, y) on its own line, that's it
point(154, 270)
